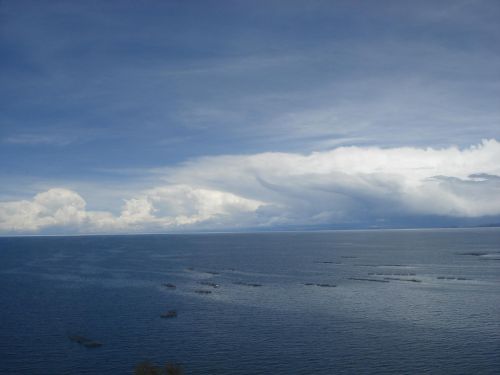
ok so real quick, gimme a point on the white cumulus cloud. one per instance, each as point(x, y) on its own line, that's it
point(162, 208)
point(343, 185)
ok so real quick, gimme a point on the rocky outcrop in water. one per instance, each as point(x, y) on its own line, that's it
point(366, 279)
point(169, 314)
point(322, 285)
point(208, 283)
point(203, 291)
point(82, 340)
point(247, 284)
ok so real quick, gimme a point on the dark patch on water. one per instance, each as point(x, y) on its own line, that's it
point(366, 279)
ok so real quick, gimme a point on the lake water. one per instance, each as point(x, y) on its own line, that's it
point(390, 302)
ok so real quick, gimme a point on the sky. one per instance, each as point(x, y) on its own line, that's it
point(166, 116)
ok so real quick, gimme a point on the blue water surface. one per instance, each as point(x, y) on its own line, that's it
point(391, 302)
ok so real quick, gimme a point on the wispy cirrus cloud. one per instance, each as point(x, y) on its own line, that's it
point(39, 139)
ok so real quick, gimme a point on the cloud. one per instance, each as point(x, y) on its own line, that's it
point(164, 208)
point(352, 183)
point(346, 185)
point(39, 139)
point(55, 208)
point(182, 205)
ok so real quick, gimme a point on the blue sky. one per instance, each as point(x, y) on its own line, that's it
point(120, 104)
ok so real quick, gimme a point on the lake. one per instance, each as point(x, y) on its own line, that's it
point(333, 302)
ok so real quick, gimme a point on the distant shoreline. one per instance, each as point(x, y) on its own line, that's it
point(188, 233)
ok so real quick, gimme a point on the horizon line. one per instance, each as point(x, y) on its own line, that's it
point(495, 226)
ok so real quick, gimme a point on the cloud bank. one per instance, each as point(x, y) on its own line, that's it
point(344, 186)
